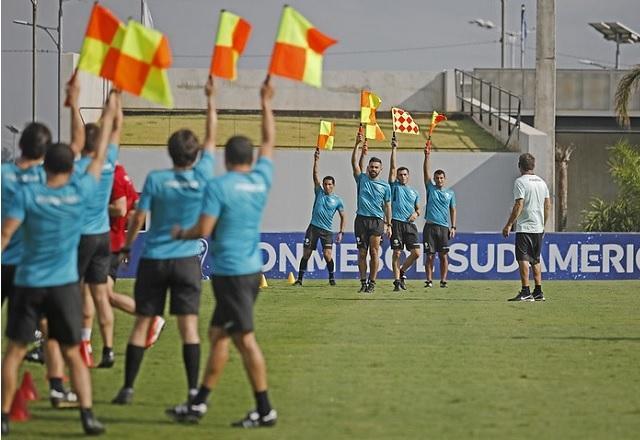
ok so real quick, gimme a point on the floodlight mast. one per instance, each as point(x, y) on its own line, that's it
point(617, 32)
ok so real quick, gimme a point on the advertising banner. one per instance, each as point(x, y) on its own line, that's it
point(472, 256)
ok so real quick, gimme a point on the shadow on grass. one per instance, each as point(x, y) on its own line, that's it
point(370, 298)
point(583, 338)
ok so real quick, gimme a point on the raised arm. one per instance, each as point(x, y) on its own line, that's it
point(357, 169)
point(212, 117)
point(118, 120)
point(268, 122)
point(392, 161)
point(77, 125)
point(426, 166)
point(515, 212)
point(316, 174)
point(363, 154)
point(108, 115)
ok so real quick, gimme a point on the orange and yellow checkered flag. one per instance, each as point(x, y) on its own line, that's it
point(326, 135)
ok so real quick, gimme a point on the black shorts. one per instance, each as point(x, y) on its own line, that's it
point(404, 234)
point(528, 247)
point(235, 297)
point(154, 277)
point(94, 257)
point(61, 305)
point(367, 227)
point(8, 275)
point(114, 265)
point(436, 238)
point(314, 234)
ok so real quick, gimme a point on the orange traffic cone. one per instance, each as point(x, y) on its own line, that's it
point(28, 388)
point(263, 282)
point(19, 411)
point(291, 279)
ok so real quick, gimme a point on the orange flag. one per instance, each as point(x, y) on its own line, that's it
point(326, 135)
point(102, 43)
point(299, 48)
point(436, 118)
point(233, 34)
point(369, 102)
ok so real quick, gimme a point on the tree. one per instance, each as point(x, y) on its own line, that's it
point(563, 156)
point(623, 214)
point(628, 83)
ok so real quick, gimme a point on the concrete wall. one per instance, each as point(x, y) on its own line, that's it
point(483, 183)
point(579, 92)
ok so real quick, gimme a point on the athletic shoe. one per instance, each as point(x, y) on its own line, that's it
point(298, 283)
point(428, 284)
point(124, 397)
point(90, 424)
point(154, 331)
point(538, 296)
point(35, 355)
point(86, 352)
point(187, 413)
point(332, 281)
point(63, 399)
point(363, 287)
point(396, 286)
point(254, 420)
point(443, 284)
point(371, 287)
point(5, 424)
point(522, 296)
point(403, 279)
point(108, 359)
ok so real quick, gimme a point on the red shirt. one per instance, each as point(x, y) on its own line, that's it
point(122, 187)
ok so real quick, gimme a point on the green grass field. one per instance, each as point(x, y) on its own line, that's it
point(460, 134)
point(444, 364)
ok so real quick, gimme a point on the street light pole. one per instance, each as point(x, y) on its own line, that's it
point(59, 47)
point(34, 13)
point(502, 34)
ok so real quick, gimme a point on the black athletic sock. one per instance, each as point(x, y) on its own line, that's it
point(331, 266)
point(401, 273)
point(106, 351)
point(538, 288)
point(202, 396)
point(525, 289)
point(363, 281)
point(262, 403)
point(191, 358)
point(132, 361)
point(55, 383)
point(302, 268)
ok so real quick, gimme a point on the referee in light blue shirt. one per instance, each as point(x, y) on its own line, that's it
point(233, 206)
point(405, 209)
point(325, 205)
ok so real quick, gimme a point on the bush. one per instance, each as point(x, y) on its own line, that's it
point(622, 214)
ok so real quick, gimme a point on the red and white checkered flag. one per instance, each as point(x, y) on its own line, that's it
point(403, 122)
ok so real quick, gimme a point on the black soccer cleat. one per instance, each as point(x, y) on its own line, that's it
point(443, 284)
point(363, 287)
point(396, 285)
point(428, 284)
point(298, 283)
point(108, 359)
point(63, 399)
point(187, 412)
point(371, 287)
point(35, 355)
point(5, 424)
point(332, 281)
point(124, 397)
point(90, 424)
point(538, 296)
point(522, 296)
point(254, 420)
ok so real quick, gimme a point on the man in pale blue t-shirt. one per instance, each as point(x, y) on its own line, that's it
point(373, 217)
point(93, 249)
point(171, 197)
point(405, 209)
point(440, 220)
point(325, 205)
point(233, 207)
point(47, 274)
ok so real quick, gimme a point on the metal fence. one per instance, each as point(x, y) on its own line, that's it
point(491, 105)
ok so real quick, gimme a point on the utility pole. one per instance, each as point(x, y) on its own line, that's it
point(502, 34)
point(545, 99)
point(34, 14)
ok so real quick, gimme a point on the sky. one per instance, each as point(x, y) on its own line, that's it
point(417, 35)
